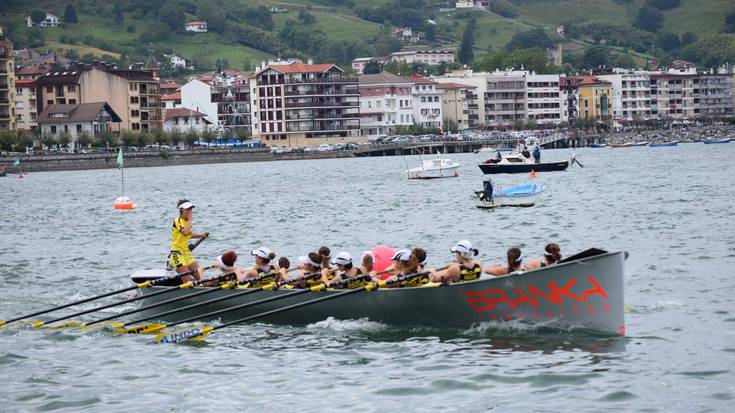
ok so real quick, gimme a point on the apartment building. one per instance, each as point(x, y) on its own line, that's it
point(7, 86)
point(595, 98)
point(713, 93)
point(386, 103)
point(134, 95)
point(569, 96)
point(459, 104)
point(544, 99)
point(672, 91)
point(477, 83)
point(506, 98)
point(631, 97)
point(224, 98)
point(303, 104)
point(26, 114)
point(427, 103)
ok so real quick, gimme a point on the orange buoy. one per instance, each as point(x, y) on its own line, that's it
point(533, 173)
point(124, 202)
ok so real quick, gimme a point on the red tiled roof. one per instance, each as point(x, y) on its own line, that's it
point(590, 81)
point(25, 83)
point(298, 67)
point(452, 85)
point(31, 70)
point(172, 96)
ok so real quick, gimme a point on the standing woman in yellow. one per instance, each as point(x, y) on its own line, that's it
point(181, 232)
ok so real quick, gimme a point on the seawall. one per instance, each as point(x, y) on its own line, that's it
point(73, 162)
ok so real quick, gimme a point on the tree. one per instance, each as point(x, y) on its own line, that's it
point(450, 125)
point(48, 140)
point(84, 140)
point(243, 134)
point(625, 61)
point(128, 138)
point(70, 14)
point(35, 38)
point(689, 38)
point(663, 4)
point(37, 16)
point(172, 15)
point(306, 17)
point(372, 67)
point(649, 19)
point(191, 137)
point(64, 139)
point(530, 39)
point(430, 33)
point(730, 23)
point(466, 54)
point(598, 56)
point(668, 41)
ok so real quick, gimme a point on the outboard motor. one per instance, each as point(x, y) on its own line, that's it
point(487, 190)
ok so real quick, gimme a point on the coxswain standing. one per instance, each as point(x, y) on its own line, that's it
point(181, 232)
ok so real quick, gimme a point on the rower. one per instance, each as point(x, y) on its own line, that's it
point(310, 265)
point(515, 263)
point(346, 271)
point(325, 257)
point(465, 269)
point(226, 264)
point(367, 262)
point(283, 266)
point(181, 232)
point(420, 254)
point(263, 268)
point(405, 262)
point(552, 255)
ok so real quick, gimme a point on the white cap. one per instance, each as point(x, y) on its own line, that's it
point(343, 258)
point(186, 205)
point(262, 252)
point(305, 260)
point(222, 264)
point(464, 248)
point(402, 255)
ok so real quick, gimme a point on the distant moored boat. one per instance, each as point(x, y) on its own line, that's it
point(598, 145)
point(711, 142)
point(662, 144)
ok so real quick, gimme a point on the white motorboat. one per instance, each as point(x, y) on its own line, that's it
point(434, 168)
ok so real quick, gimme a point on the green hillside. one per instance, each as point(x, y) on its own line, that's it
point(244, 32)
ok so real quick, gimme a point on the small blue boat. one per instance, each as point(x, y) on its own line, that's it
point(662, 144)
point(520, 191)
point(712, 142)
point(598, 145)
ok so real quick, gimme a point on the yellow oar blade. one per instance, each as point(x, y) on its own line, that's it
point(191, 333)
point(101, 326)
point(150, 328)
point(2, 323)
point(66, 325)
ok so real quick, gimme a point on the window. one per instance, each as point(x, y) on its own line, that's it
point(49, 102)
point(134, 99)
point(53, 129)
point(49, 89)
point(133, 86)
point(71, 88)
point(72, 101)
point(79, 128)
point(135, 126)
point(134, 113)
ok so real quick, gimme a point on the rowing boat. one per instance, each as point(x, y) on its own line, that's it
point(584, 292)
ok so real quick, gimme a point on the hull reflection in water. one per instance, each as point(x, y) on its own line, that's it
point(586, 293)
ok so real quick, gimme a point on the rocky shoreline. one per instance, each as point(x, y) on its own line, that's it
point(688, 134)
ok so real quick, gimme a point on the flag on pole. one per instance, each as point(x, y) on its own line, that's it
point(119, 159)
point(17, 162)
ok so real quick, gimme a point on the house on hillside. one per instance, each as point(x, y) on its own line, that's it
point(407, 35)
point(77, 118)
point(50, 21)
point(196, 27)
point(176, 61)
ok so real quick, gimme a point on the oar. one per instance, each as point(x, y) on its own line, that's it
point(226, 286)
point(200, 332)
point(189, 284)
point(155, 327)
point(146, 284)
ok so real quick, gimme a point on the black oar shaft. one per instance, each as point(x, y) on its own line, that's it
point(238, 307)
point(116, 303)
point(97, 297)
point(147, 307)
point(289, 307)
point(212, 301)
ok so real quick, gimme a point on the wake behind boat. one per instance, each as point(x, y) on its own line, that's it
point(583, 291)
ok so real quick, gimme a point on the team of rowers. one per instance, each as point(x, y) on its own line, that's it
point(341, 270)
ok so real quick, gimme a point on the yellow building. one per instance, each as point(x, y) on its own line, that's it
point(7, 86)
point(595, 98)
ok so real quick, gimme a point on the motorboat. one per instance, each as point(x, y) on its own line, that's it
point(515, 163)
point(598, 145)
point(518, 196)
point(716, 141)
point(434, 168)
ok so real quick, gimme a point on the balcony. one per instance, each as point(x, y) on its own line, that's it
point(291, 105)
point(322, 80)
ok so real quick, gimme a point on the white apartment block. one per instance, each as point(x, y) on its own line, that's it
point(478, 82)
point(427, 103)
point(544, 99)
point(386, 103)
point(631, 94)
point(196, 95)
